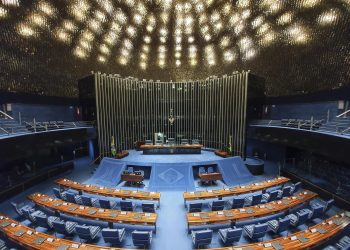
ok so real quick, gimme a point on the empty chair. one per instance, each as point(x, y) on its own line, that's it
point(300, 218)
point(113, 236)
point(210, 170)
point(130, 170)
point(87, 232)
point(107, 204)
point(280, 225)
point(19, 209)
point(230, 235)
point(255, 232)
point(285, 192)
point(159, 142)
point(148, 142)
point(195, 141)
point(127, 206)
point(254, 199)
point(315, 212)
point(89, 201)
point(73, 198)
point(148, 207)
point(201, 237)
point(184, 141)
point(195, 207)
point(237, 202)
point(59, 194)
point(142, 238)
point(201, 170)
point(217, 205)
point(45, 221)
point(326, 206)
point(28, 214)
point(270, 196)
point(296, 187)
point(66, 228)
point(171, 141)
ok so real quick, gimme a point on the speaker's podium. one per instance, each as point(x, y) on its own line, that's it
point(171, 148)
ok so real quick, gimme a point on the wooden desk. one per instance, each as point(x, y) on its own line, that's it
point(330, 227)
point(234, 215)
point(28, 240)
point(171, 149)
point(132, 177)
point(108, 192)
point(210, 176)
point(109, 215)
point(242, 189)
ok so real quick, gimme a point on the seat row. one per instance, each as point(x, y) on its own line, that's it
point(342, 244)
point(257, 231)
point(252, 200)
point(85, 232)
point(102, 203)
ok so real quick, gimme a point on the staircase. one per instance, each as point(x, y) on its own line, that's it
point(11, 126)
point(338, 125)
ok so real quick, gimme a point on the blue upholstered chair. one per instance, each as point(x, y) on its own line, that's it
point(130, 170)
point(148, 142)
point(87, 232)
point(201, 170)
point(316, 211)
point(285, 192)
point(195, 207)
point(65, 228)
point(253, 200)
point(202, 237)
point(270, 196)
point(31, 215)
point(296, 187)
point(326, 205)
point(195, 141)
point(107, 204)
point(149, 207)
point(280, 225)
point(184, 141)
point(19, 209)
point(59, 194)
point(73, 198)
point(300, 218)
point(89, 201)
point(113, 236)
point(127, 206)
point(210, 170)
point(230, 235)
point(142, 238)
point(256, 232)
point(237, 202)
point(45, 221)
point(217, 205)
point(344, 243)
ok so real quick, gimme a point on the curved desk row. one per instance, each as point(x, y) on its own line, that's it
point(242, 189)
point(239, 214)
point(304, 239)
point(108, 215)
point(108, 192)
point(30, 239)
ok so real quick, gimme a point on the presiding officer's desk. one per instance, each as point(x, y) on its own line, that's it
point(242, 189)
point(108, 192)
point(171, 149)
point(239, 214)
point(108, 215)
point(28, 238)
point(304, 239)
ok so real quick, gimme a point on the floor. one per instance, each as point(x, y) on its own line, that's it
point(171, 232)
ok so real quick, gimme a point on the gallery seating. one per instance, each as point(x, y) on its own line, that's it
point(113, 236)
point(87, 232)
point(202, 237)
point(64, 227)
point(230, 235)
point(280, 225)
point(256, 232)
point(142, 238)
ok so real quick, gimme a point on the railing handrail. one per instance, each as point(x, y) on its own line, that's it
point(344, 113)
point(8, 116)
point(4, 130)
point(345, 130)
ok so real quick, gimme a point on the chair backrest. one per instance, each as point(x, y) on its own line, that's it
point(218, 205)
point(302, 217)
point(57, 193)
point(70, 197)
point(273, 195)
point(41, 220)
point(86, 200)
point(111, 235)
point(159, 142)
point(204, 234)
point(148, 207)
point(59, 226)
point(283, 224)
point(148, 142)
point(195, 207)
point(28, 215)
point(234, 234)
point(210, 170)
point(328, 205)
point(130, 169)
point(171, 140)
point(256, 199)
point(259, 231)
point(195, 141)
point(238, 202)
point(317, 211)
point(297, 186)
point(105, 203)
point(201, 170)
point(286, 191)
point(126, 205)
point(184, 141)
point(140, 235)
point(83, 231)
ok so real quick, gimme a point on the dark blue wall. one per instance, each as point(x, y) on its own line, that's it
point(43, 112)
point(304, 111)
point(266, 150)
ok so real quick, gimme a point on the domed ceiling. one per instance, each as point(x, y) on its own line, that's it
point(297, 45)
